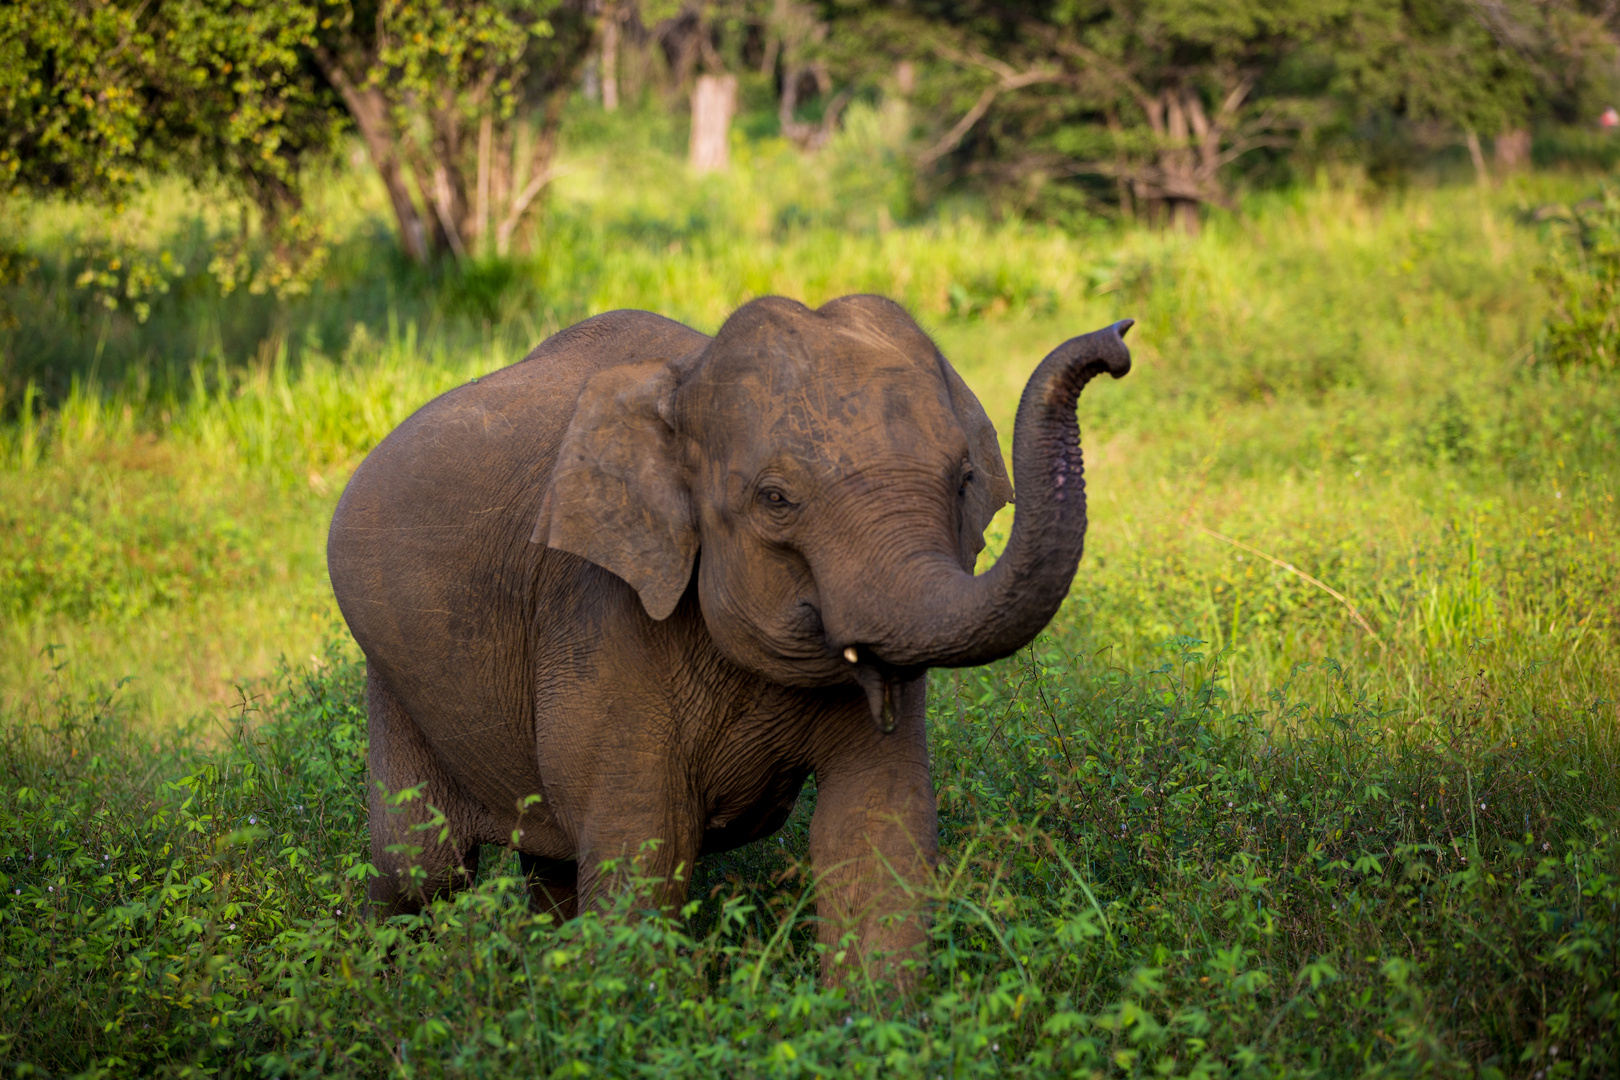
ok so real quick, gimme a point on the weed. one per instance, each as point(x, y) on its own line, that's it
point(1584, 276)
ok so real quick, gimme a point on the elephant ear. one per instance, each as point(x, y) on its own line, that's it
point(990, 489)
point(616, 495)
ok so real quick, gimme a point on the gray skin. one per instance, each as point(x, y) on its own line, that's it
point(628, 574)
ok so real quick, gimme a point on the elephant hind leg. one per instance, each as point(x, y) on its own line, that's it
point(553, 885)
point(415, 865)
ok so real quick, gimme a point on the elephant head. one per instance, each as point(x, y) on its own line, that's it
point(831, 477)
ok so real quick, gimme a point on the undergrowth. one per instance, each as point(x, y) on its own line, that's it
point(1136, 879)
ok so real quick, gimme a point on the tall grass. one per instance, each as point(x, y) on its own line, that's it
point(1338, 379)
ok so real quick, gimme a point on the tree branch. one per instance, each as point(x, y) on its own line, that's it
point(1009, 79)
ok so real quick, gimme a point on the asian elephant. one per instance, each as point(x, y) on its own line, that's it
point(657, 579)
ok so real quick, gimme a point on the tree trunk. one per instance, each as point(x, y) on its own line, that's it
point(450, 200)
point(1512, 149)
point(370, 111)
point(1186, 217)
point(486, 150)
point(1477, 155)
point(1179, 165)
point(610, 61)
point(808, 136)
point(714, 103)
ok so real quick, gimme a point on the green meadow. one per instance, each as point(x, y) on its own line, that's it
point(1316, 773)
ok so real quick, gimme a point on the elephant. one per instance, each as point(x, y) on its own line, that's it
point(619, 600)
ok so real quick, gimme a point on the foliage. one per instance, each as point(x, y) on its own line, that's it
point(1583, 275)
point(93, 97)
point(96, 97)
point(465, 96)
point(1157, 99)
point(1134, 879)
point(1061, 108)
point(1491, 68)
point(1166, 105)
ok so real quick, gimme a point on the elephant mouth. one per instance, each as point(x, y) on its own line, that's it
point(882, 683)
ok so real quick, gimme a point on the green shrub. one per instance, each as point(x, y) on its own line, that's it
point(1135, 880)
point(1583, 274)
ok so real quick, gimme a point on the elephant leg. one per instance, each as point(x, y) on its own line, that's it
point(421, 865)
point(553, 885)
point(650, 854)
point(874, 841)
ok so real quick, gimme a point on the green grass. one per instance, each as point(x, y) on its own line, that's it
point(1366, 826)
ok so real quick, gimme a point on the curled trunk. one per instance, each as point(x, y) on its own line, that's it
point(954, 619)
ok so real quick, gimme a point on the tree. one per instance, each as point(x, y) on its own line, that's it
point(1166, 101)
point(1475, 66)
point(95, 96)
point(797, 38)
point(712, 46)
point(464, 99)
point(1153, 99)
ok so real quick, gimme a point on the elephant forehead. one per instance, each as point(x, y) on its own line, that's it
point(812, 413)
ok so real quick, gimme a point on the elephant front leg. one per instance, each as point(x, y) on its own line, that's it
point(642, 859)
point(874, 841)
point(418, 854)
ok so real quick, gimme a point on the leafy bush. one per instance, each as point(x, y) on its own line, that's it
point(1135, 880)
point(1583, 275)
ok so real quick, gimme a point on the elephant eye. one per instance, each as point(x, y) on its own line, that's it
point(967, 478)
point(774, 499)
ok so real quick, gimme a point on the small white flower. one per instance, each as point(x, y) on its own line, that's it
point(253, 821)
point(1482, 806)
point(340, 911)
point(50, 888)
point(995, 1048)
point(233, 926)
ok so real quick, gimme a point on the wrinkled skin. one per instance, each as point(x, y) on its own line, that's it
point(658, 579)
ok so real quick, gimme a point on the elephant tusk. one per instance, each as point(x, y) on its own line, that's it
point(851, 656)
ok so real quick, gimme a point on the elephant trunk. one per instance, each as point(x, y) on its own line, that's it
point(954, 619)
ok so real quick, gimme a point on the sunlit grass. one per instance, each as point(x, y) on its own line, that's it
point(1337, 379)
